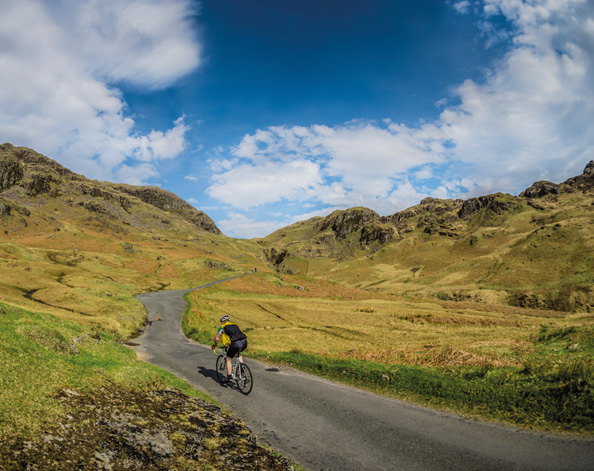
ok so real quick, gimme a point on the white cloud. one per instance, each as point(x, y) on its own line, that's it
point(248, 185)
point(534, 116)
point(145, 42)
point(60, 61)
point(462, 7)
point(531, 117)
point(239, 225)
point(298, 163)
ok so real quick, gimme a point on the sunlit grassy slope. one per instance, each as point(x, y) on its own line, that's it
point(92, 279)
point(524, 366)
point(289, 312)
point(392, 303)
point(73, 254)
point(41, 355)
point(526, 255)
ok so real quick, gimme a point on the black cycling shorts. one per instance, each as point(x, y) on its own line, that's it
point(236, 347)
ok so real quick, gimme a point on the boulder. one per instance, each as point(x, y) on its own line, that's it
point(540, 189)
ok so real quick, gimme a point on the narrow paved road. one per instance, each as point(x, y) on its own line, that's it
point(326, 426)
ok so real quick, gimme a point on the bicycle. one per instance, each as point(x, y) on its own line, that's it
point(241, 373)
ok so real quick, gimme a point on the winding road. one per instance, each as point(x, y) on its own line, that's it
point(326, 426)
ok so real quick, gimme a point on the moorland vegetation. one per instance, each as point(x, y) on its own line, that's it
point(482, 306)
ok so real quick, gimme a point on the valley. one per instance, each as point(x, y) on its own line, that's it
point(483, 307)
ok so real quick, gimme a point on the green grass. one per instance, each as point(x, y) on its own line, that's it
point(555, 397)
point(40, 355)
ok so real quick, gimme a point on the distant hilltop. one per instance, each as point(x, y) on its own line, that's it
point(31, 182)
point(534, 250)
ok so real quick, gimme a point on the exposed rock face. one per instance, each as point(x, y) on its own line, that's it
point(106, 195)
point(494, 202)
point(372, 233)
point(35, 160)
point(155, 430)
point(431, 216)
point(11, 171)
point(276, 257)
point(344, 223)
point(38, 175)
point(583, 182)
point(157, 197)
point(540, 189)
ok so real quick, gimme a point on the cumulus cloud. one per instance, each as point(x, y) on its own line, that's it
point(462, 7)
point(265, 183)
point(347, 165)
point(61, 62)
point(530, 117)
point(534, 115)
point(240, 225)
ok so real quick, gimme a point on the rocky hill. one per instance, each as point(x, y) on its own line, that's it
point(81, 249)
point(32, 185)
point(532, 250)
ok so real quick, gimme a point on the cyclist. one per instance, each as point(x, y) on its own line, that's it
point(232, 337)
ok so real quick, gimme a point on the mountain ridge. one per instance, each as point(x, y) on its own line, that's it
point(533, 250)
point(25, 174)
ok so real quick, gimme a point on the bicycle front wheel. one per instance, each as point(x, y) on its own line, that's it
point(244, 381)
point(221, 368)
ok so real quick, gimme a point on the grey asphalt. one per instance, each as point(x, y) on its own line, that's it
point(321, 425)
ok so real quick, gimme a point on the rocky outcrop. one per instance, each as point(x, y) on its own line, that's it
point(96, 192)
point(345, 223)
point(35, 161)
point(40, 183)
point(376, 233)
point(38, 175)
point(167, 201)
point(5, 208)
point(431, 216)
point(540, 189)
point(497, 203)
point(583, 182)
point(276, 257)
point(125, 430)
point(157, 197)
point(201, 220)
point(11, 170)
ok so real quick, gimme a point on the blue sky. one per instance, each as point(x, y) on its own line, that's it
point(266, 112)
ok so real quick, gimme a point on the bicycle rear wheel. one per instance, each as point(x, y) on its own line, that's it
point(221, 368)
point(244, 382)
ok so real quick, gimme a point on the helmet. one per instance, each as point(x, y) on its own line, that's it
point(224, 319)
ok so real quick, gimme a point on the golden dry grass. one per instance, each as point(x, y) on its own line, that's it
point(86, 277)
point(291, 313)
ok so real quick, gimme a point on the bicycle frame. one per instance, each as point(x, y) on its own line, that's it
point(240, 372)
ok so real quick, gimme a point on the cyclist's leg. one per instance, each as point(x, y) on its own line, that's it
point(231, 352)
point(242, 345)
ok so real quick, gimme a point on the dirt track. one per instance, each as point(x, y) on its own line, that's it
point(326, 426)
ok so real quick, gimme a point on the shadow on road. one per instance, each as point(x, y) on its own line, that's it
point(208, 373)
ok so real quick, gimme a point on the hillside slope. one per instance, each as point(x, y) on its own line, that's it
point(32, 185)
point(81, 249)
point(533, 250)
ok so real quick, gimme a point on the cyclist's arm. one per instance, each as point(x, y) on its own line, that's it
point(218, 337)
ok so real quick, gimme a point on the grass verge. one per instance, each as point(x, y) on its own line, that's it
point(41, 355)
point(557, 399)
